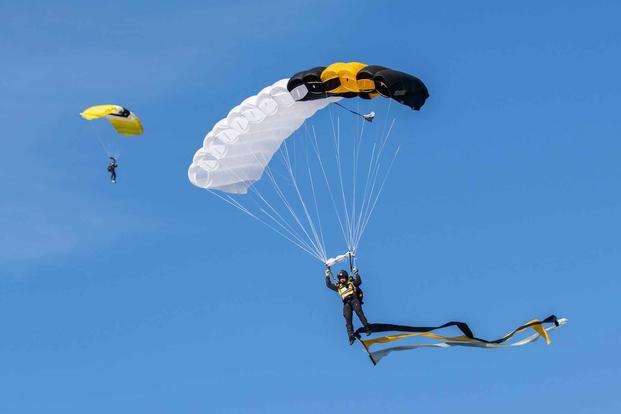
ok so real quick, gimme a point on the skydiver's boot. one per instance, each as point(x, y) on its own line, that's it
point(368, 330)
point(352, 339)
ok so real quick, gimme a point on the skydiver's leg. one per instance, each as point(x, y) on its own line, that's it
point(347, 314)
point(355, 303)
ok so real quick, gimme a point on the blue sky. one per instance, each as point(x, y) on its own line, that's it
point(152, 296)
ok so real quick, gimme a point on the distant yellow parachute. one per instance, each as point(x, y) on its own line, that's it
point(124, 121)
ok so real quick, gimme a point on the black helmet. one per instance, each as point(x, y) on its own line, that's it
point(343, 274)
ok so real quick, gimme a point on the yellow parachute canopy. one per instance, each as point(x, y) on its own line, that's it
point(124, 121)
point(345, 75)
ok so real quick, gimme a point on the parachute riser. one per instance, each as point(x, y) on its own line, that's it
point(351, 263)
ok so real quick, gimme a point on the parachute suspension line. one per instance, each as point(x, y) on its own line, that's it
point(320, 248)
point(103, 146)
point(301, 244)
point(367, 185)
point(370, 205)
point(292, 212)
point(282, 222)
point(292, 236)
point(231, 201)
point(367, 117)
point(357, 213)
point(357, 209)
point(355, 158)
point(277, 218)
point(312, 184)
point(379, 192)
point(371, 179)
point(285, 231)
point(337, 146)
point(256, 192)
point(313, 243)
point(315, 144)
point(317, 249)
point(368, 193)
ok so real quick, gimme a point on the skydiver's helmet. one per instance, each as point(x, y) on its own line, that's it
point(342, 275)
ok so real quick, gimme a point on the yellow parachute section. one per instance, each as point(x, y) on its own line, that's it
point(345, 74)
point(356, 79)
point(124, 121)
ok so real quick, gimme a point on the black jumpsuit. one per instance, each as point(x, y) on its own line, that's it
point(350, 303)
point(112, 170)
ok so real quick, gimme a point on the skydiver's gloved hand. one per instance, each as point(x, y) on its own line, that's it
point(328, 271)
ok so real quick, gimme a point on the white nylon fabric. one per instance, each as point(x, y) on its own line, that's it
point(339, 259)
point(239, 147)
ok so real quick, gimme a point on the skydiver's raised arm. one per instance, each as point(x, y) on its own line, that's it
point(329, 283)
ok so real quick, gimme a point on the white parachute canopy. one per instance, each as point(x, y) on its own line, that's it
point(247, 161)
point(239, 147)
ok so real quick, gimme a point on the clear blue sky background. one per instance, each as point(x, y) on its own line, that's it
point(152, 296)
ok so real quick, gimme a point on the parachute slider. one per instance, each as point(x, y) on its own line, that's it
point(339, 259)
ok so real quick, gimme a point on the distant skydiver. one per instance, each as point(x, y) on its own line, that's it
point(348, 288)
point(112, 169)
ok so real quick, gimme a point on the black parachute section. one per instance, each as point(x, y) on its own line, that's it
point(402, 87)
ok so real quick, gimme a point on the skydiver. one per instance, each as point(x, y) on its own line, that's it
point(112, 169)
point(348, 288)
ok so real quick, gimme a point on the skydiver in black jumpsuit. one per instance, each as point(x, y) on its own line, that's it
point(112, 169)
point(347, 288)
